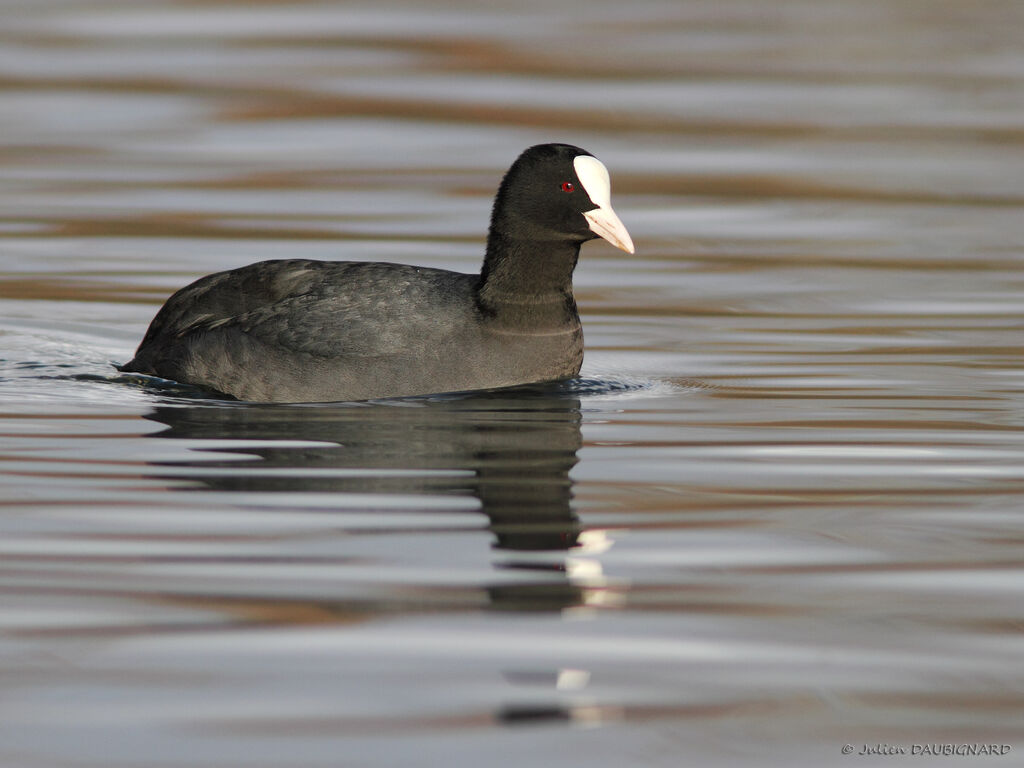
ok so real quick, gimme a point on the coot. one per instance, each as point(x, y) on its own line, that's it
point(296, 330)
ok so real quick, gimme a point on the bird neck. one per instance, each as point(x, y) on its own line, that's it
point(530, 279)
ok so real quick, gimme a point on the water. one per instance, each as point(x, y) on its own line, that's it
point(779, 513)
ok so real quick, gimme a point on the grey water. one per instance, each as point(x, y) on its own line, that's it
point(779, 517)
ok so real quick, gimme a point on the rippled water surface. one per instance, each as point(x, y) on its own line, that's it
point(779, 513)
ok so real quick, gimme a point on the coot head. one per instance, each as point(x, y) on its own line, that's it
point(557, 192)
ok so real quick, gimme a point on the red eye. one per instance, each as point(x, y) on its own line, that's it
point(568, 186)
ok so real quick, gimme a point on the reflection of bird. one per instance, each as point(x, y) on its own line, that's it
point(510, 450)
point(297, 330)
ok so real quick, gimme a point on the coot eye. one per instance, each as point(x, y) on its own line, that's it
point(568, 186)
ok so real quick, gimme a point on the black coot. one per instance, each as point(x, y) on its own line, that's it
point(304, 331)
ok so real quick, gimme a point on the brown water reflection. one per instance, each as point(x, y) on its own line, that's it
point(781, 513)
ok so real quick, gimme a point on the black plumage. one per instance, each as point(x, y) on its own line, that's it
point(300, 331)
